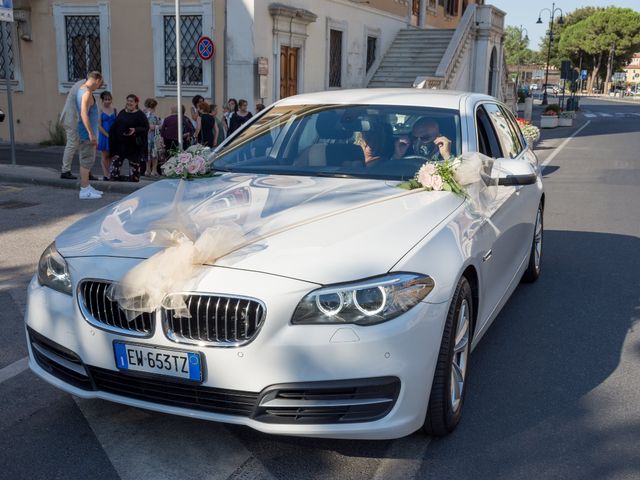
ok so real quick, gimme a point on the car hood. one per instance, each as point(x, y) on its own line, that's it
point(317, 229)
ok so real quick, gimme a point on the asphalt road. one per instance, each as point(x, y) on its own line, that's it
point(554, 391)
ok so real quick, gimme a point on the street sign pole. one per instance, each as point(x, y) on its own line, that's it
point(6, 31)
point(179, 74)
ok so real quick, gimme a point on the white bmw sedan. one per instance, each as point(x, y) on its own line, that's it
point(328, 301)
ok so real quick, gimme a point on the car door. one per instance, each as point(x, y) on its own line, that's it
point(503, 226)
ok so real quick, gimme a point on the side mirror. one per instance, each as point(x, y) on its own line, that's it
point(1, 116)
point(511, 173)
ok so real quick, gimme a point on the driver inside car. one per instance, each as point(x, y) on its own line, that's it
point(426, 141)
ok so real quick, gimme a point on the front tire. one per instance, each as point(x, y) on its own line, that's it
point(533, 270)
point(449, 381)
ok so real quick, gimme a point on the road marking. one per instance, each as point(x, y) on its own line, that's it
point(620, 114)
point(563, 144)
point(143, 444)
point(403, 458)
point(606, 115)
point(590, 115)
point(14, 369)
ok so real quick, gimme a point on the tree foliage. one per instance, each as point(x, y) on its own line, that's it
point(605, 38)
point(517, 51)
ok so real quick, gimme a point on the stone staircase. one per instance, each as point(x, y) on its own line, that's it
point(413, 53)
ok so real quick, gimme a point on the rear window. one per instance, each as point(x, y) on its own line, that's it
point(386, 142)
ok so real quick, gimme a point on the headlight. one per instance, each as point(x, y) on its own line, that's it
point(53, 271)
point(366, 302)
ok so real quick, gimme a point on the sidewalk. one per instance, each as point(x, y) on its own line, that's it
point(40, 165)
point(50, 177)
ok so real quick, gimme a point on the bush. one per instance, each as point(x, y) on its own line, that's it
point(56, 135)
point(553, 107)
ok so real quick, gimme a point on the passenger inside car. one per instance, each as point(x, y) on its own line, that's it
point(376, 142)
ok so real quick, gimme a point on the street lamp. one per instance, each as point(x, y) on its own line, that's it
point(561, 22)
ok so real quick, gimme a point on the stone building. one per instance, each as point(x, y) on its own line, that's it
point(265, 50)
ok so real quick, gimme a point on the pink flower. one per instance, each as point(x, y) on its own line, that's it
point(425, 179)
point(184, 158)
point(193, 168)
point(429, 168)
point(179, 169)
point(437, 182)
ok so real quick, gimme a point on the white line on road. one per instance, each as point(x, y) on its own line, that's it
point(606, 115)
point(14, 369)
point(563, 144)
point(590, 115)
point(620, 114)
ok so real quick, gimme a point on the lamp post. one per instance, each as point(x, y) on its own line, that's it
point(526, 39)
point(561, 22)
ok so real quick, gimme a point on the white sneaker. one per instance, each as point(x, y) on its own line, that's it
point(89, 194)
point(99, 192)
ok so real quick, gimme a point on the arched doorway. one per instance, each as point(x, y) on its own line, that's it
point(493, 68)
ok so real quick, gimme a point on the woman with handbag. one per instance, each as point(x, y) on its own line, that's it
point(128, 140)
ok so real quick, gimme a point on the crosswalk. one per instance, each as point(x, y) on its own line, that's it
point(592, 114)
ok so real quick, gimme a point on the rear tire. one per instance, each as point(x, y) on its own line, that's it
point(533, 270)
point(449, 380)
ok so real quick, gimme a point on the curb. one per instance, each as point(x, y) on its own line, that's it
point(47, 177)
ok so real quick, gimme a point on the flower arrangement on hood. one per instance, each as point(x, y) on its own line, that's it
point(192, 163)
point(436, 176)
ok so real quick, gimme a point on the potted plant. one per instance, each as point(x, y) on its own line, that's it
point(566, 119)
point(549, 119)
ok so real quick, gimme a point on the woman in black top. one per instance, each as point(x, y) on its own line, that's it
point(128, 140)
point(240, 117)
point(206, 129)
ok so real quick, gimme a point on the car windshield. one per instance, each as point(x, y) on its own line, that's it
point(363, 141)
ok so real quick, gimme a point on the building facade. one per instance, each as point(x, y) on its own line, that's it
point(264, 50)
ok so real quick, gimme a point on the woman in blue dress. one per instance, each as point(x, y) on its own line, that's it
point(105, 121)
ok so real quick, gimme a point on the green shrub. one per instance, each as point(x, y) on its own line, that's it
point(553, 106)
point(56, 135)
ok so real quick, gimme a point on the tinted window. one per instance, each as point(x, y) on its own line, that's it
point(513, 124)
point(371, 141)
point(511, 147)
point(488, 143)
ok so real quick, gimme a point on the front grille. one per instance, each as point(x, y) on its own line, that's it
point(104, 313)
point(175, 393)
point(60, 362)
point(216, 320)
point(340, 401)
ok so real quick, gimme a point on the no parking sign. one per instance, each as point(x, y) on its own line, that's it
point(206, 48)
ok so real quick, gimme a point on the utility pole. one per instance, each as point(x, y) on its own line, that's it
point(5, 35)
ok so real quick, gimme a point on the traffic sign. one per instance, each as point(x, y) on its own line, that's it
point(583, 75)
point(206, 48)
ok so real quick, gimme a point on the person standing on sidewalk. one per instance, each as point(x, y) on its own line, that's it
point(69, 121)
point(88, 133)
point(107, 116)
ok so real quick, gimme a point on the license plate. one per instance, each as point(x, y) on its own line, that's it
point(162, 361)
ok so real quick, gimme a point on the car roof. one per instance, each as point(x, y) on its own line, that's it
point(387, 96)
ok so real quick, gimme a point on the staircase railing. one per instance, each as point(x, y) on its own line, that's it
point(457, 44)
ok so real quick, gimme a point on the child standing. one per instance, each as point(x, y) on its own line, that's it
point(105, 120)
point(152, 139)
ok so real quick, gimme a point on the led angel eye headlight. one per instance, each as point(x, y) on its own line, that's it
point(365, 302)
point(330, 303)
point(370, 301)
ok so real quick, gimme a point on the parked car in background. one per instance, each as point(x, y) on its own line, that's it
point(534, 86)
point(334, 304)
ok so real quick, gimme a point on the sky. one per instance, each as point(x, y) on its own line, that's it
point(525, 13)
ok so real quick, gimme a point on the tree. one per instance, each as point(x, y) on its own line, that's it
point(611, 35)
point(517, 51)
point(569, 19)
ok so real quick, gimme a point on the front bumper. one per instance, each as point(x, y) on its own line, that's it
point(309, 380)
